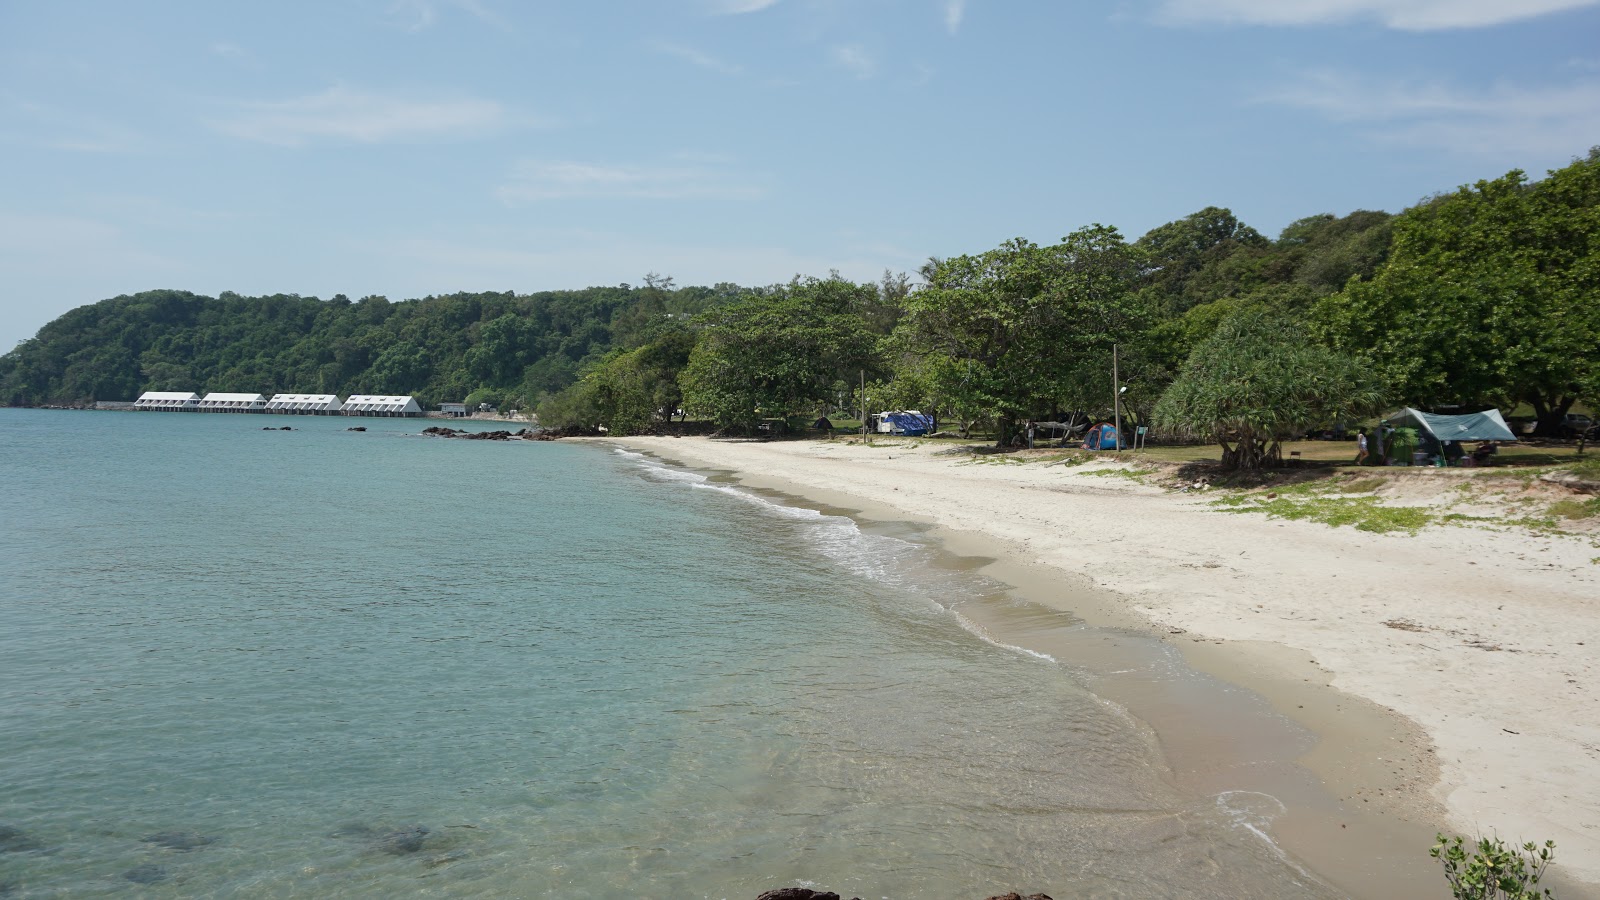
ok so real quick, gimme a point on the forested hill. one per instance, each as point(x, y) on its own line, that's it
point(514, 349)
point(501, 347)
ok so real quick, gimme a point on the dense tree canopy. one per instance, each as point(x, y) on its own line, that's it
point(781, 352)
point(1491, 295)
point(439, 348)
point(1001, 334)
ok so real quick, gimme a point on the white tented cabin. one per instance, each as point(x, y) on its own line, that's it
point(176, 401)
point(220, 402)
point(373, 405)
point(305, 404)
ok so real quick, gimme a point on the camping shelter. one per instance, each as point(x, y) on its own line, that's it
point(1435, 430)
point(1101, 437)
point(910, 422)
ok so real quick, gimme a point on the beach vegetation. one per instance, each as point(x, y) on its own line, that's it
point(1488, 297)
point(781, 352)
point(1360, 513)
point(1576, 509)
point(1492, 870)
point(1007, 334)
point(1256, 382)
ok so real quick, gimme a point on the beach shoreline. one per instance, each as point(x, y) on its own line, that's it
point(1474, 714)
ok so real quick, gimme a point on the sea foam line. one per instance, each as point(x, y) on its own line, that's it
point(838, 537)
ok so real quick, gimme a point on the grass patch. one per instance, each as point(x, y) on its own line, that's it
point(1361, 513)
point(1361, 486)
point(1135, 474)
point(1576, 509)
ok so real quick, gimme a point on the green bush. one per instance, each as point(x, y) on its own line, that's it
point(1493, 871)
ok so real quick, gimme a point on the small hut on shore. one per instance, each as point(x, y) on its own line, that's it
point(168, 401)
point(381, 405)
point(217, 401)
point(305, 404)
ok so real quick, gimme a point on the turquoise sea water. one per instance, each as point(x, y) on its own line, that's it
point(584, 673)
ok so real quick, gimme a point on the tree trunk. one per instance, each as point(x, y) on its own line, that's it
point(1551, 412)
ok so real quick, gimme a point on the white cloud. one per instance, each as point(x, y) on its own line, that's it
point(1501, 120)
point(535, 180)
point(1405, 15)
point(853, 59)
point(696, 57)
point(341, 113)
point(954, 10)
point(738, 7)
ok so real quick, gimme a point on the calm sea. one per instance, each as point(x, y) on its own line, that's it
point(323, 663)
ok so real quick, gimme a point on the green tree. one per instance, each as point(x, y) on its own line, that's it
point(1256, 382)
point(779, 353)
point(1000, 334)
point(1489, 296)
point(1198, 258)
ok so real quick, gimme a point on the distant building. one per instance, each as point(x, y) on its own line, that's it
point(240, 403)
point(305, 404)
point(171, 401)
point(454, 410)
point(373, 405)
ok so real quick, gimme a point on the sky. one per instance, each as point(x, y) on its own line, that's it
point(417, 147)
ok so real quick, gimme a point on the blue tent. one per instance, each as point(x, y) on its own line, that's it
point(907, 421)
point(1101, 437)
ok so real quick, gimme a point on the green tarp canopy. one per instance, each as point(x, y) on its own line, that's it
point(1478, 426)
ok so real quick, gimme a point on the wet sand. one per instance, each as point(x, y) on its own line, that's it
point(1351, 788)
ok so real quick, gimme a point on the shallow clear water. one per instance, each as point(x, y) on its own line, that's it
point(584, 673)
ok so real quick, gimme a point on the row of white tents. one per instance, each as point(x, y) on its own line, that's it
point(302, 404)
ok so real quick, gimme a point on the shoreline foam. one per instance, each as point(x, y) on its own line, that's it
point(1414, 728)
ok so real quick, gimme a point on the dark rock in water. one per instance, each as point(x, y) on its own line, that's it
point(149, 873)
point(1016, 896)
point(285, 428)
point(799, 893)
point(403, 841)
point(178, 840)
point(15, 840)
point(441, 431)
point(445, 859)
point(357, 428)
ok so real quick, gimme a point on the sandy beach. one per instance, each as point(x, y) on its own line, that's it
point(1450, 676)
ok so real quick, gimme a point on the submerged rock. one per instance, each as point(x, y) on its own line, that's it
point(357, 428)
point(149, 873)
point(799, 893)
point(403, 841)
point(394, 841)
point(445, 859)
point(15, 840)
point(178, 840)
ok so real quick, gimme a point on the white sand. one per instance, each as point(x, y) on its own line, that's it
point(1499, 661)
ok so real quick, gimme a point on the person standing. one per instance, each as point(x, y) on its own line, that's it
point(1361, 446)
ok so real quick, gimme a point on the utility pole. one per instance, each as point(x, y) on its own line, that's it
point(1116, 397)
point(865, 437)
